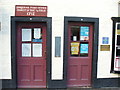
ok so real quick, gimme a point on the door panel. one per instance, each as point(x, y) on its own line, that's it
point(80, 39)
point(31, 55)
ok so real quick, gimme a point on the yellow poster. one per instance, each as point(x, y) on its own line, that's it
point(118, 31)
point(74, 48)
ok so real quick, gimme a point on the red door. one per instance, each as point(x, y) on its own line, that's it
point(31, 55)
point(79, 54)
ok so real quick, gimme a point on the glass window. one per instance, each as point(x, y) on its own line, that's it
point(75, 33)
point(79, 41)
point(32, 48)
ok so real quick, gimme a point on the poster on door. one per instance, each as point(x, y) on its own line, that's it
point(37, 33)
point(74, 48)
point(84, 33)
point(83, 48)
point(37, 36)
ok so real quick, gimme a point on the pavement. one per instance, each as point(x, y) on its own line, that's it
point(70, 89)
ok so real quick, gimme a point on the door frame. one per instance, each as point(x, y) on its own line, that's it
point(14, 21)
point(95, 22)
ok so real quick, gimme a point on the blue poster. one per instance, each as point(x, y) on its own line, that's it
point(84, 33)
point(83, 48)
point(37, 40)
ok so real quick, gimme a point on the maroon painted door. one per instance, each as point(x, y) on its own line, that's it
point(31, 55)
point(80, 39)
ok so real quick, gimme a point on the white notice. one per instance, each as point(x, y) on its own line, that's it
point(37, 33)
point(26, 34)
point(37, 50)
point(26, 50)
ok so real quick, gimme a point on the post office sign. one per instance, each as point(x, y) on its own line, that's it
point(29, 10)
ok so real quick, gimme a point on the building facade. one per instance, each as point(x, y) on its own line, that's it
point(59, 44)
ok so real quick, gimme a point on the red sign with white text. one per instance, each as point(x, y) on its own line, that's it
point(26, 10)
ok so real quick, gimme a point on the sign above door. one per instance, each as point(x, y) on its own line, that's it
point(29, 10)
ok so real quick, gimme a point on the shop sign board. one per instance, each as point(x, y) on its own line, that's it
point(29, 10)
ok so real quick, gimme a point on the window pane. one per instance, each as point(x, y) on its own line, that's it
point(75, 33)
point(26, 34)
point(118, 39)
point(26, 50)
point(37, 50)
point(57, 46)
point(117, 52)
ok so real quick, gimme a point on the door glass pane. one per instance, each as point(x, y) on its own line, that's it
point(75, 33)
point(84, 33)
point(37, 50)
point(26, 50)
point(26, 34)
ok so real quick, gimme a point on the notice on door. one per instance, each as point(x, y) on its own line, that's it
point(26, 34)
point(84, 33)
point(74, 48)
point(37, 33)
point(26, 50)
point(83, 48)
point(37, 50)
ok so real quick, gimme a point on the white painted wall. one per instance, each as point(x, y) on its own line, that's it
point(57, 9)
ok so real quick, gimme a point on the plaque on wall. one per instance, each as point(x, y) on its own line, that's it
point(104, 47)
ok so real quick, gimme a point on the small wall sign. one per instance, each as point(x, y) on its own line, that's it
point(105, 40)
point(29, 10)
point(104, 47)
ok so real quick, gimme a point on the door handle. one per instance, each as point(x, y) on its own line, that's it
point(45, 53)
